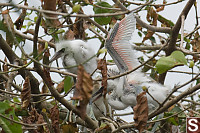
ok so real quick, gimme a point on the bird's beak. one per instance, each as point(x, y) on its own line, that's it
point(97, 95)
point(56, 56)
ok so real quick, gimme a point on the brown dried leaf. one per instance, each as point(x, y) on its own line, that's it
point(54, 115)
point(44, 26)
point(103, 67)
point(35, 118)
point(60, 87)
point(8, 24)
point(69, 128)
point(88, 1)
point(113, 22)
point(5, 66)
point(148, 35)
point(46, 57)
point(30, 31)
point(78, 29)
point(196, 45)
point(40, 50)
point(45, 89)
point(51, 5)
point(141, 112)
point(47, 74)
point(152, 16)
point(26, 93)
point(86, 25)
point(83, 90)
point(196, 42)
point(20, 20)
point(161, 8)
point(40, 120)
point(105, 128)
point(69, 35)
point(139, 27)
point(7, 20)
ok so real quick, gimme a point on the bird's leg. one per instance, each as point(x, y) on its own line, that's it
point(107, 107)
point(152, 96)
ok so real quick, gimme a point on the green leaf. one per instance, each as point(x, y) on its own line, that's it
point(19, 39)
point(35, 18)
point(29, 23)
point(101, 51)
point(179, 57)
point(8, 111)
point(97, 10)
point(101, 10)
point(68, 82)
point(15, 99)
point(21, 112)
point(164, 64)
point(76, 8)
point(60, 31)
point(3, 27)
point(165, 21)
point(173, 121)
point(140, 34)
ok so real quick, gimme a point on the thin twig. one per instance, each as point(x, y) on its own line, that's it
point(175, 100)
point(128, 72)
point(24, 124)
point(167, 4)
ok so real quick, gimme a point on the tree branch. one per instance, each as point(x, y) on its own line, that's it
point(174, 35)
point(12, 57)
point(153, 28)
point(175, 30)
point(175, 100)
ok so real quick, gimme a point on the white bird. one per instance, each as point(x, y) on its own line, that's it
point(126, 88)
point(74, 53)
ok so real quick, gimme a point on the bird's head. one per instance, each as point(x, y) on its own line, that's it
point(69, 47)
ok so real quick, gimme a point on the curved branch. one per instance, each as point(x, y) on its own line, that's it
point(4, 77)
point(142, 23)
point(92, 124)
point(175, 100)
point(167, 4)
point(176, 28)
point(31, 38)
point(12, 57)
point(174, 35)
point(153, 28)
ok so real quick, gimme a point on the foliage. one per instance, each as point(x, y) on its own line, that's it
point(177, 58)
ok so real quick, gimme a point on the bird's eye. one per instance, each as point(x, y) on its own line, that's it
point(82, 47)
point(62, 50)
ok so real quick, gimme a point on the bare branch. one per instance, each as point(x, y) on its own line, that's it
point(176, 28)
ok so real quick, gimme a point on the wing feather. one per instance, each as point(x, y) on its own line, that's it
point(118, 44)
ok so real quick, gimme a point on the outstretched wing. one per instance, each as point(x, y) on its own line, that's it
point(118, 45)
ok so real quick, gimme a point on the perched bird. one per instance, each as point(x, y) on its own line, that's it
point(124, 90)
point(73, 53)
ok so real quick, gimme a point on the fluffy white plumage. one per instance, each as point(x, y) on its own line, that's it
point(125, 89)
point(75, 52)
